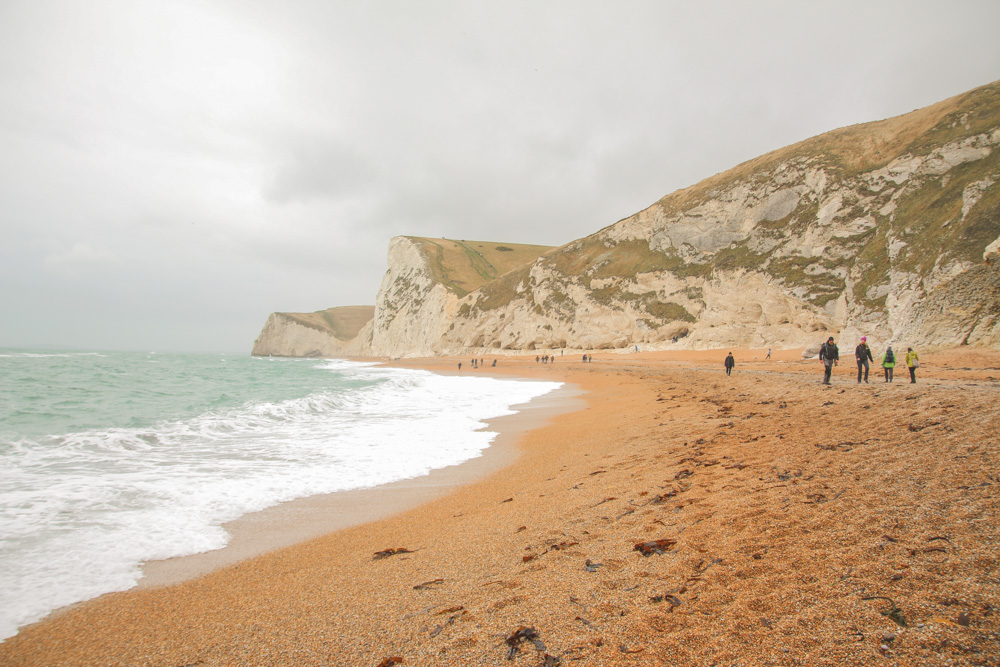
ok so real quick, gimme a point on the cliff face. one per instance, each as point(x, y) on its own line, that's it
point(888, 229)
point(327, 333)
point(426, 279)
point(879, 229)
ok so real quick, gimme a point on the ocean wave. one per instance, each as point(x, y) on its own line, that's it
point(115, 497)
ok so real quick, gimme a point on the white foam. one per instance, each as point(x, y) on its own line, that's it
point(81, 512)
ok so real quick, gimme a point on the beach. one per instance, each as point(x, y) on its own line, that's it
point(673, 515)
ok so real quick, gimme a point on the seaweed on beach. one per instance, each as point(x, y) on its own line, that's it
point(658, 547)
point(523, 634)
point(385, 553)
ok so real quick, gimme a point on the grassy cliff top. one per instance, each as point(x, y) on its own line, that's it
point(343, 322)
point(865, 146)
point(463, 266)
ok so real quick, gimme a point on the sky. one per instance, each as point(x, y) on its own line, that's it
point(173, 172)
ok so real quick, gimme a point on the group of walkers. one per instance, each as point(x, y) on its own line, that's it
point(829, 354)
point(477, 363)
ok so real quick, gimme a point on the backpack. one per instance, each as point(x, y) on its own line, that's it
point(890, 358)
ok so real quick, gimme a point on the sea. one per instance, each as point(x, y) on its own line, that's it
point(111, 459)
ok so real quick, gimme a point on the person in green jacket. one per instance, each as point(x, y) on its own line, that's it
point(888, 362)
point(912, 362)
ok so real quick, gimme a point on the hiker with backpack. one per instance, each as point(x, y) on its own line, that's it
point(888, 363)
point(912, 362)
point(863, 354)
point(829, 354)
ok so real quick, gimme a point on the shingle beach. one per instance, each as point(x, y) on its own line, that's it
point(679, 517)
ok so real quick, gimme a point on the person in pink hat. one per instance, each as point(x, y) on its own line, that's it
point(864, 356)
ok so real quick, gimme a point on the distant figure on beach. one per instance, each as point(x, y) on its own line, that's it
point(864, 355)
point(768, 354)
point(460, 365)
point(636, 348)
point(494, 363)
point(829, 354)
point(888, 362)
point(912, 362)
point(730, 362)
point(536, 358)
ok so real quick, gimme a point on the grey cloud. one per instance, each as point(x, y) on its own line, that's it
point(172, 172)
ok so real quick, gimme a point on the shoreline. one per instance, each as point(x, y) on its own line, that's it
point(796, 523)
point(303, 519)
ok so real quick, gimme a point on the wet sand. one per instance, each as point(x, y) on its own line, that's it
point(785, 522)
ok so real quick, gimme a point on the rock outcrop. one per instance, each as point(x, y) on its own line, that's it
point(327, 333)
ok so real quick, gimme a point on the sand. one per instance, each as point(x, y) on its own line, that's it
point(786, 523)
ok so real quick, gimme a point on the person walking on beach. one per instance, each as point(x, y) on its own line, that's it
point(730, 362)
point(912, 362)
point(864, 355)
point(888, 363)
point(768, 354)
point(829, 354)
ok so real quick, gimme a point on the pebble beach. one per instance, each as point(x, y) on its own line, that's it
point(668, 514)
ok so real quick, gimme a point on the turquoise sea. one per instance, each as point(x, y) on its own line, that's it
point(111, 459)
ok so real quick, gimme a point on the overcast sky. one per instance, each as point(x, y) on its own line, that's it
point(172, 172)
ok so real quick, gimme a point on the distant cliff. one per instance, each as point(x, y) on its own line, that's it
point(326, 333)
point(888, 229)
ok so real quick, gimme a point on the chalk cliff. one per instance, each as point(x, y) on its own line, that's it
point(326, 333)
point(888, 229)
point(880, 229)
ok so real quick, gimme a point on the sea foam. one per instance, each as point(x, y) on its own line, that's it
point(81, 511)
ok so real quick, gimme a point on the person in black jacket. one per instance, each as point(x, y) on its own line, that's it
point(730, 362)
point(829, 354)
point(863, 354)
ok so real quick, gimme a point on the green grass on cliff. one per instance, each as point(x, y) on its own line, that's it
point(464, 266)
point(343, 322)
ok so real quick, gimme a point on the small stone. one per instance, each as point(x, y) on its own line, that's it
point(889, 637)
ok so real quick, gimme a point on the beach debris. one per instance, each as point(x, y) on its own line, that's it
point(566, 544)
point(428, 584)
point(598, 472)
point(587, 623)
point(683, 474)
point(963, 619)
point(562, 545)
point(385, 553)
point(591, 566)
point(664, 497)
point(627, 649)
point(550, 661)
point(672, 599)
point(439, 628)
point(449, 610)
point(508, 500)
point(660, 546)
point(389, 662)
point(521, 529)
point(522, 634)
point(702, 565)
point(893, 612)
